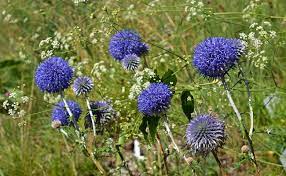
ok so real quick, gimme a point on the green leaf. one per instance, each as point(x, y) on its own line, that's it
point(156, 78)
point(169, 78)
point(9, 63)
point(153, 123)
point(188, 102)
point(143, 127)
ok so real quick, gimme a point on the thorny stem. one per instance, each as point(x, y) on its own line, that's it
point(169, 132)
point(164, 154)
point(244, 131)
point(91, 116)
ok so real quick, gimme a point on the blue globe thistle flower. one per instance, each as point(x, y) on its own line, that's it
point(205, 134)
point(103, 112)
point(53, 75)
point(60, 116)
point(126, 42)
point(155, 99)
point(82, 85)
point(131, 62)
point(216, 55)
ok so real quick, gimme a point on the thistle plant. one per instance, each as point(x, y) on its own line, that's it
point(213, 58)
point(82, 86)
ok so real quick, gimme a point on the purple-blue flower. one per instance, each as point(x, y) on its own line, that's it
point(53, 75)
point(103, 112)
point(205, 134)
point(130, 62)
point(82, 85)
point(60, 114)
point(216, 55)
point(155, 99)
point(126, 42)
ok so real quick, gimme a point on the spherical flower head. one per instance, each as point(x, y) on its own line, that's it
point(126, 42)
point(60, 114)
point(130, 62)
point(53, 75)
point(82, 85)
point(205, 134)
point(103, 112)
point(215, 56)
point(155, 99)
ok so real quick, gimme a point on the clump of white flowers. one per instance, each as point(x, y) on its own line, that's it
point(194, 9)
point(256, 40)
point(58, 42)
point(250, 9)
point(14, 103)
point(141, 79)
point(98, 69)
point(76, 2)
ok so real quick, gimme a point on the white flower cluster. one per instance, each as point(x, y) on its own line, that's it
point(250, 9)
point(130, 12)
point(98, 69)
point(57, 42)
point(13, 103)
point(255, 42)
point(195, 8)
point(76, 2)
point(8, 18)
point(141, 82)
point(52, 98)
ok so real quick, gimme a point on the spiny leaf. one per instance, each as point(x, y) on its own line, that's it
point(143, 127)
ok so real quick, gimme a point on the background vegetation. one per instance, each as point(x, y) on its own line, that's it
point(172, 28)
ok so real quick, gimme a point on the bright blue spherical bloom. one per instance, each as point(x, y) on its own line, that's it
point(205, 134)
point(216, 55)
point(155, 99)
point(60, 114)
point(126, 42)
point(82, 85)
point(103, 112)
point(53, 75)
point(130, 62)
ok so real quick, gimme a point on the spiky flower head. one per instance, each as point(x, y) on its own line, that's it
point(82, 85)
point(205, 134)
point(215, 56)
point(53, 75)
point(60, 116)
point(103, 112)
point(130, 62)
point(155, 99)
point(126, 42)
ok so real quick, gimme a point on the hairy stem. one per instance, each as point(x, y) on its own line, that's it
point(91, 116)
point(246, 82)
point(169, 132)
point(243, 129)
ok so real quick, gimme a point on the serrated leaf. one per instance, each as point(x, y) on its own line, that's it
point(153, 123)
point(169, 78)
point(188, 102)
point(9, 63)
